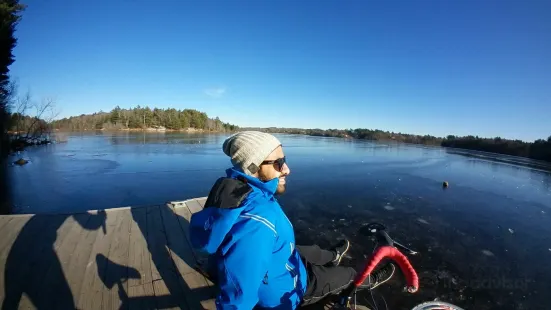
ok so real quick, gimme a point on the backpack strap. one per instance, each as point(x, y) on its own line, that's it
point(227, 193)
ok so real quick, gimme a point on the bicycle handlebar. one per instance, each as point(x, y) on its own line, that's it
point(386, 250)
point(390, 252)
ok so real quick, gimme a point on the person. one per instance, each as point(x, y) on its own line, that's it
point(251, 241)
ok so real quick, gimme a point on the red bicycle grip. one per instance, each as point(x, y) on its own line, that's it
point(394, 254)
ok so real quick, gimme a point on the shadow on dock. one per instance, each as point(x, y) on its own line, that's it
point(172, 260)
point(33, 268)
point(135, 258)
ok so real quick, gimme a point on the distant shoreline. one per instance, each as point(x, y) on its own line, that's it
point(537, 150)
point(188, 130)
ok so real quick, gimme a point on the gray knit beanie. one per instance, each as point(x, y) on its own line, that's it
point(248, 149)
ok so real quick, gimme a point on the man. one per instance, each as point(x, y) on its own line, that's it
point(252, 241)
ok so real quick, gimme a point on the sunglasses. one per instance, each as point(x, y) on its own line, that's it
point(278, 163)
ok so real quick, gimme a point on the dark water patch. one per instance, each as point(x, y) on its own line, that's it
point(452, 263)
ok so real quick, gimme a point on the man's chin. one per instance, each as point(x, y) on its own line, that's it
point(280, 189)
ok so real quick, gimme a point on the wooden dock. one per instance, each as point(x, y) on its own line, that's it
point(126, 258)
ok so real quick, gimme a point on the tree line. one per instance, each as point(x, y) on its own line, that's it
point(10, 15)
point(539, 149)
point(143, 118)
point(173, 119)
point(359, 133)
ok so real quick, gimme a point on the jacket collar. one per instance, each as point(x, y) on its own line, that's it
point(269, 188)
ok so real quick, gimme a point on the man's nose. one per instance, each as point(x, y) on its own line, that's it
point(285, 169)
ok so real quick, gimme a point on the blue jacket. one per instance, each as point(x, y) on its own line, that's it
point(253, 246)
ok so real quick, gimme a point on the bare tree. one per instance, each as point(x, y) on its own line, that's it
point(32, 119)
point(44, 115)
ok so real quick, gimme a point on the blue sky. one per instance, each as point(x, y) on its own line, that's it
point(426, 67)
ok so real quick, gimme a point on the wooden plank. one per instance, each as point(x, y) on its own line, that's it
point(116, 272)
point(5, 223)
point(139, 256)
point(127, 208)
point(184, 216)
point(182, 255)
point(193, 206)
point(164, 272)
point(141, 297)
point(201, 294)
point(201, 201)
point(155, 240)
point(7, 239)
point(178, 204)
point(92, 287)
point(30, 253)
point(23, 215)
point(53, 287)
point(164, 299)
point(75, 269)
point(183, 212)
point(47, 264)
point(27, 303)
point(9, 232)
point(180, 249)
point(196, 280)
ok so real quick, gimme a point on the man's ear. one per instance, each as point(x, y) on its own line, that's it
point(257, 173)
point(253, 168)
